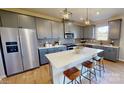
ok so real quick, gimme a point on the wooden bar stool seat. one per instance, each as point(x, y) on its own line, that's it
point(90, 66)
point(72, 74)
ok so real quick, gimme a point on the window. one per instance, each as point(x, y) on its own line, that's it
point(102, 33)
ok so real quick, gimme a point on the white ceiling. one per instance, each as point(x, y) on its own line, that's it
point(77, 13)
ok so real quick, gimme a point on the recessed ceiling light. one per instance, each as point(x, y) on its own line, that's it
point(97, 12)
point(81, 18)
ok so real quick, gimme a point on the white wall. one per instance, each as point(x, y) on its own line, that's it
point(2, 74)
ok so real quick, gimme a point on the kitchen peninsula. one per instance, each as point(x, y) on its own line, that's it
point(64, 60)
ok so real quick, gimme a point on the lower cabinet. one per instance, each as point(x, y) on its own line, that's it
point(43, 59)
point(109, 53)
point(43, 52)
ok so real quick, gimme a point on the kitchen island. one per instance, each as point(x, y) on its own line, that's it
point(64, 60)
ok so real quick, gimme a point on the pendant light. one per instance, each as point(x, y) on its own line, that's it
point(87, 21)
point(66, 14)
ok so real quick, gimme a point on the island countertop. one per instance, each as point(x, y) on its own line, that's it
point(64, 58)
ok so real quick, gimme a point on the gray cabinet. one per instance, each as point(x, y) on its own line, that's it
point(9, 19)
point(57, 30)
point(88, 32)
point(114, 29)
point(76, 31)
point(49, 29)
point(109, 53)
point(25, 21)
point(43, 28)
point(73, 28)
point(43, 52)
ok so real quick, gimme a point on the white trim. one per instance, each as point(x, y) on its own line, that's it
point(121, 60)
point(3, 76)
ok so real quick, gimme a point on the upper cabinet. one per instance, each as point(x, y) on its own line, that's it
point(57, 30)
point(43, 28)
point(73, 28)
point(25, 21)
point(9, 19)
point(114, 29)
point(76, 30)
point(49, 29)
point(88, 32)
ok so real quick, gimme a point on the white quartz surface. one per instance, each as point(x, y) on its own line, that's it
point(56, 46)
point(102, 45)
point(64, 58)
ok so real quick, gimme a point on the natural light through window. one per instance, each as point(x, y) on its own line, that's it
point(102, 33)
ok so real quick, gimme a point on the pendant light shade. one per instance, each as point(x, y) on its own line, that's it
point(87, 21)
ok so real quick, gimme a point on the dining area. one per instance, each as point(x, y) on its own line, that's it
point(76, 66)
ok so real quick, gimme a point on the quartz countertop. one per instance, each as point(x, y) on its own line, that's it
point(102, 45)
point(69, 57)
point(56, 46)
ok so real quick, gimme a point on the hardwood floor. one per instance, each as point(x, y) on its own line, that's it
point(114, 74)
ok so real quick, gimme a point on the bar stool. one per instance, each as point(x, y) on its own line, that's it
point(90, 70)
point(99, 64)
point(72, 75)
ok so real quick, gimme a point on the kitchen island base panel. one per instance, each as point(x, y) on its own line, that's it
point(57, 74)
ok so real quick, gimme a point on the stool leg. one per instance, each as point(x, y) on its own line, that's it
point(100, 69)
point(80, 80)
point(103, 66)
point(72, 81)
point(64, 80)
point(90, 76)
point(95, 73)
point(81, 70)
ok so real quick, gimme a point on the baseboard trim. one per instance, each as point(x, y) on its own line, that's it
point(1, 77)
point(121, 60)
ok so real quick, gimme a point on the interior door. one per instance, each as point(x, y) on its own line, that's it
point(11, 50)
point(29, 48)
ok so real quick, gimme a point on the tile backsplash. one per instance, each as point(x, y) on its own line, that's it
point(108, 42)
point(65, 41)
point(53, 40)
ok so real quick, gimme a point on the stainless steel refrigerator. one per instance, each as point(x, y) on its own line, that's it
point(20, 49)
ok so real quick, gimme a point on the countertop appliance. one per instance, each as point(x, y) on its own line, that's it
point(69, 35)
point(19, 49)
point(70, 46)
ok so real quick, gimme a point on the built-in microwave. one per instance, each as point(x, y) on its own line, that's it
point(69, 35)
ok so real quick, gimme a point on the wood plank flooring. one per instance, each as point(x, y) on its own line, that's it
point(114, 74)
